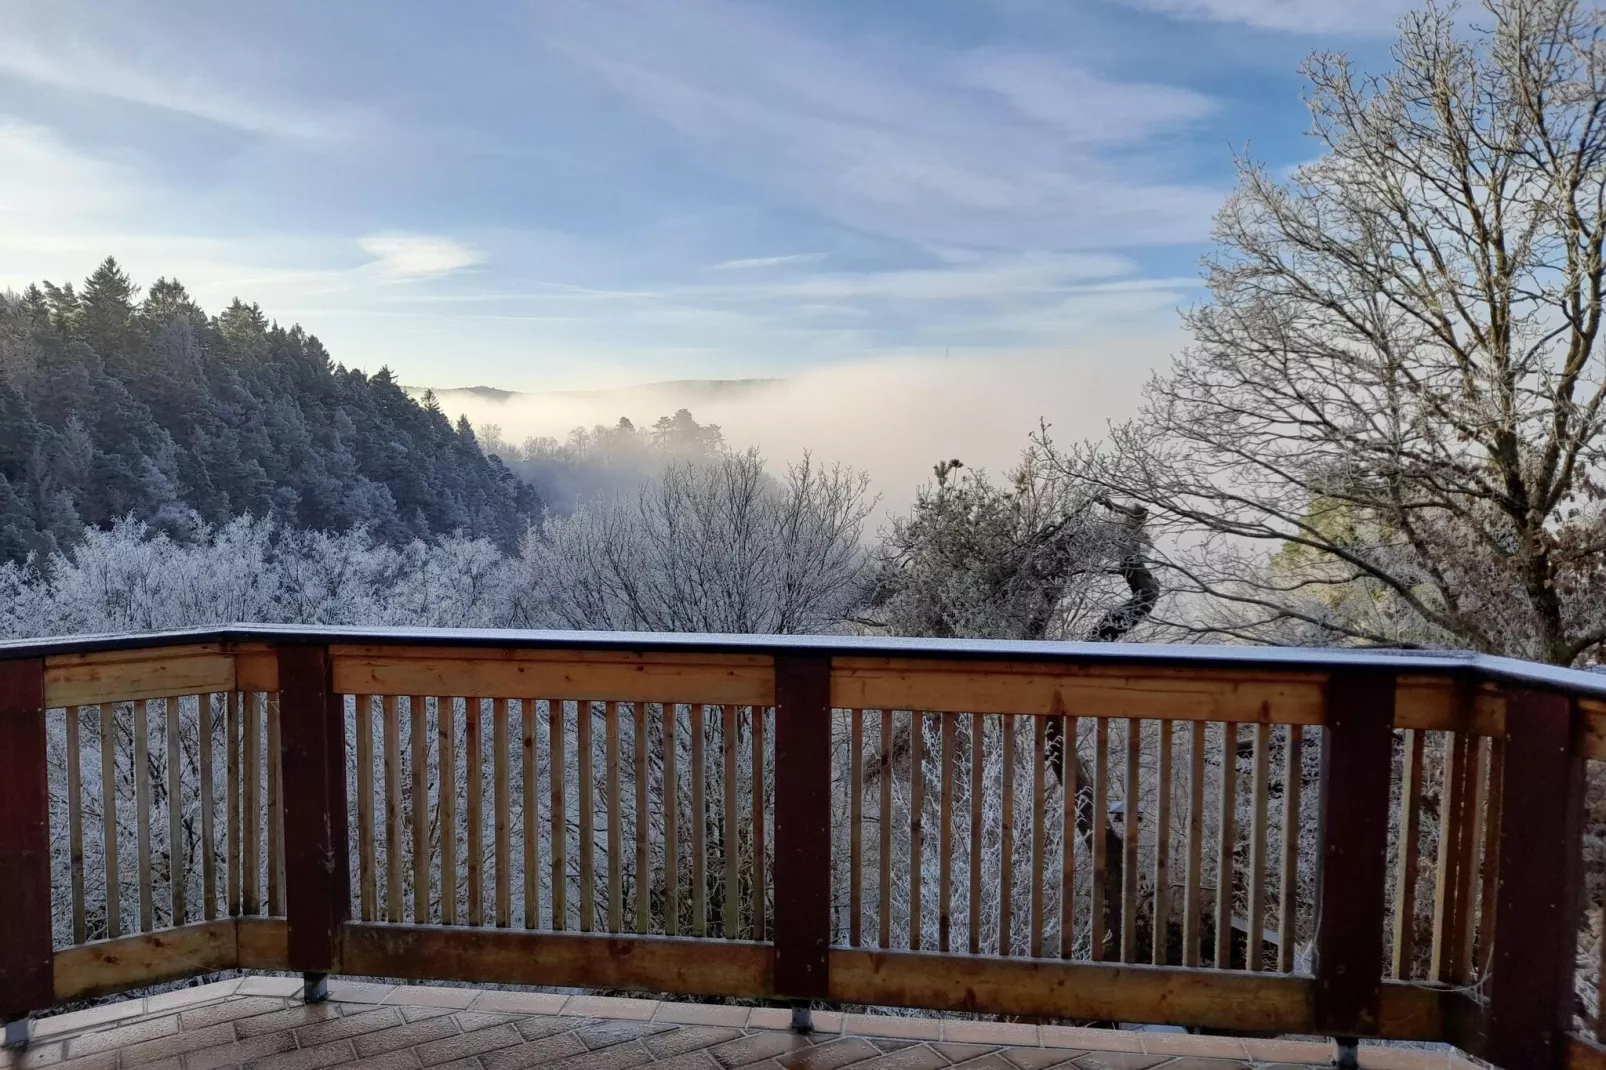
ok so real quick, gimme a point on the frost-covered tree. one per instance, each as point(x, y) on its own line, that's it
point(1397, 382)
point(1042, 556)
point(717, 546)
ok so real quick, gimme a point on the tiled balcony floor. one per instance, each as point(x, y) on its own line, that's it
point(258, 1023)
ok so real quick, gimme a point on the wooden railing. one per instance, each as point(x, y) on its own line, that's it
point(1335, 843)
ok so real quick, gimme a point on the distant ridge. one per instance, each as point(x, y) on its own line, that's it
point(668, 391)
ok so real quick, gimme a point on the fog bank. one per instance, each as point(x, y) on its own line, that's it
point(890, 417)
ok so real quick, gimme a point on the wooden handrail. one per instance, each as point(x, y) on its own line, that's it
point(1509, 859)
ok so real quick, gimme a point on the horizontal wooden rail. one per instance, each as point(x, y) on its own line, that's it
point(105, 967)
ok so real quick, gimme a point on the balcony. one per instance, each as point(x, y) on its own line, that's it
point(1244, 841)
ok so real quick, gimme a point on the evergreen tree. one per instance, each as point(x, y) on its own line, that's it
point(113, 407)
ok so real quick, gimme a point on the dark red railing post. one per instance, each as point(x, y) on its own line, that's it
point(1353, 834)
point(802, 829)
point(1539, 888)
point(317, 868)
point(27, 960)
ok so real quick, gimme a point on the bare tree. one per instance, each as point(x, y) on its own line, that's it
point(708, 547)
point(1389, 427)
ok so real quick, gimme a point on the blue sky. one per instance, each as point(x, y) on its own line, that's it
point(559, 195)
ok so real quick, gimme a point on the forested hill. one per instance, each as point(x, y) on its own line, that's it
point(114, 405)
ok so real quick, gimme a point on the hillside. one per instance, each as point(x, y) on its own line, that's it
point(114, 406)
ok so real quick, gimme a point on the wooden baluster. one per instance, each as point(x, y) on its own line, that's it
point(208, 809)
point(176, 879)
point(474, 771)
point(917, 809)
point(75, 824)
point(1039, 828)
point(232, 716)
point(1447, 905)
point(368, 888)
point(760, 906)
point(1160, 955)
point(1006, 847)
point(671, 826)
point(275, 815)
point(643, 824)
point(945, 835)
point(420, 809)
point(251, 804)
point(1491, 860)
point(532, 836)
point(1472, 855)
point(1227, 845)
point(142, 814)
point(446, 796)
point(699, 824)
point(884, 817)
point(855, 826)
point(1070, 759)
point(1287, 902)
point(501, 761)
point(1100, 821)
point(393, 811)
point(584, 714)
point(1192, 899)
point(556, 761)
point(1129, 842)
point(615, 817)
point(977, 775)
point(730, 851)
point(1255, 947)
point(1407, 860)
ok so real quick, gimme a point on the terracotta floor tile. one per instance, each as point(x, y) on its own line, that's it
point(227, 1011)
point(843, 1051)
point(887, 1025)
point(1289, 1051)
point(702, 1014)
point(432, 996)
point(362, 1019)
point(1199, 1047)
point(358, 991)
point(914, 1057)
point(757, 1047)
point(1036, 1058)
point(121, 1036)
point(451, 1049)
point(1093, 1040)
point(239, 1052)
point(521, 1002)
point(294, 1016)
point(640, 1010)
point(338, 1053)
point(534, 1053)
point(1117, 1060)
point(404, 1036)
point(995, 1033)
point(689, 1038)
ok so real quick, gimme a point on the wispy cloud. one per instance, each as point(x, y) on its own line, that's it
point(113, 55)
point(1367, 17)
point(416, 256)
point(994, 149)
point(768, 261)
